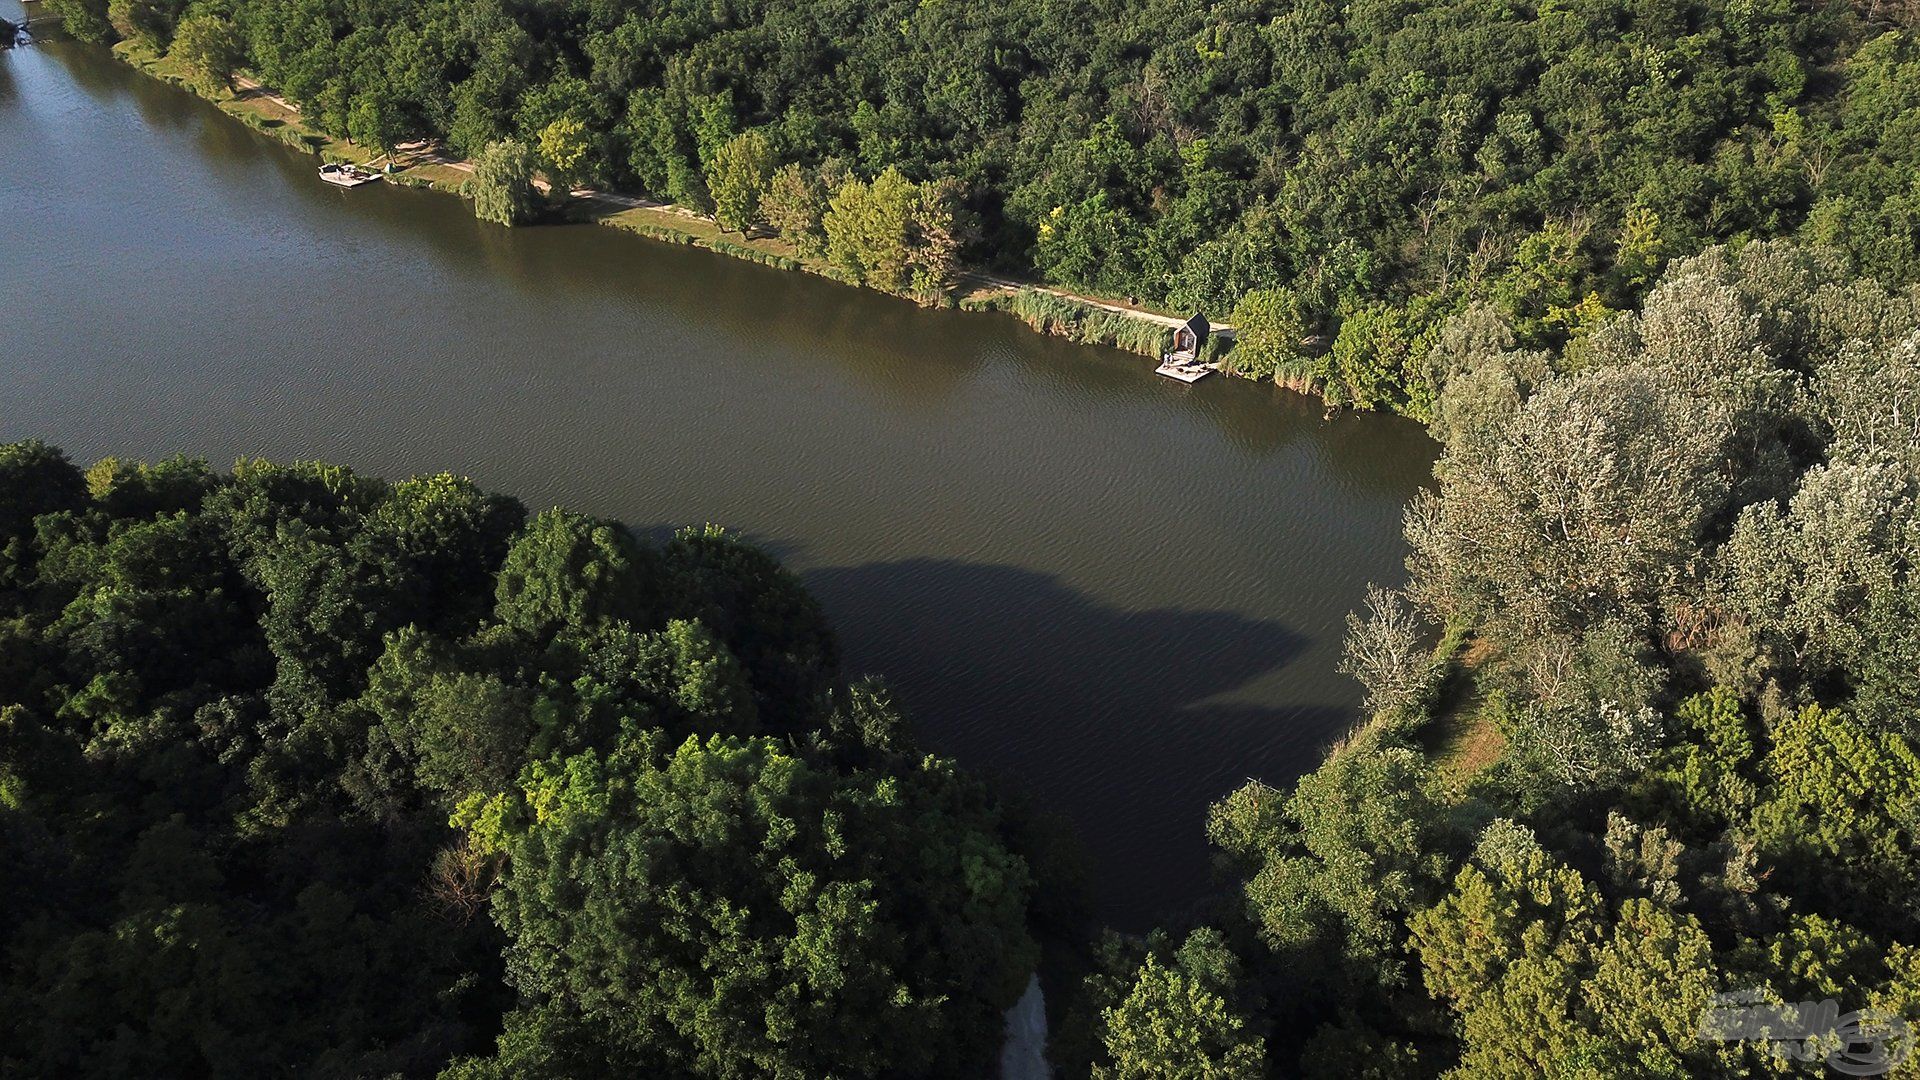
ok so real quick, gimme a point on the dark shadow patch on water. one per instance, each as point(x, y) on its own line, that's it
point(997, 653)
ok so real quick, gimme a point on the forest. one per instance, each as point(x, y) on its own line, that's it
point(1665, 749)
point(305, 772)
point(1339, 180)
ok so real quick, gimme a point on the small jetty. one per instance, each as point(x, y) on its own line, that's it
point(1183, 361)
point(342, 174)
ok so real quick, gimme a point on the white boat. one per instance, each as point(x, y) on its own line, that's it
point(342, 174)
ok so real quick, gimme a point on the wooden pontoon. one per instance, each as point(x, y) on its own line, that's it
point(341, 174)
point(1183, 361)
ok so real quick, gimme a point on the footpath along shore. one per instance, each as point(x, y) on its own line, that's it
point(1090, 319)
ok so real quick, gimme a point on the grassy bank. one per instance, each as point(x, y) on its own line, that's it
point(670, 225)
point(1050, 313)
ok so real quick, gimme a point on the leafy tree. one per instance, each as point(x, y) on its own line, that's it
point(502, 184)
point(1184, 1020)
point(1443, 163)
point(736, 177)
point(793, 204)
point(237, 714)
point(1271, 333)
point(1589, 498)
point(1544, 974)
point(564, 148)
point(1331, 870)
point(374, 120)
point(866, 227)
point(86, 20)
point(210, 47)
point(35, 479)
point(572, 575)
point(1373, 357)
point(138, 489)
point(679, 679)
point(766, 619)
point(146, 22)
point(729, 909)
point(1840, 812)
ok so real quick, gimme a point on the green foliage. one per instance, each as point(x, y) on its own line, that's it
point(210, 47)
point(137, 489)
point(149, 23)
point(1682, 547)
point(765, 617)
point(86, 20)
point(1373, 356)
point(1331, 870)
point(1525, 951)
point(736, 177)
point(239, 713)
point(793, 203)
point(1394, 168)
point(374, 119)
point(501, 186)
point(680, 679)
point(895, 235)
point(1272, 328)
point(725, 909)
point(572, 573)
point(1841, 812)
point(564, 148)
point(866, 227)
point(35, 479)
point(1183, 1020)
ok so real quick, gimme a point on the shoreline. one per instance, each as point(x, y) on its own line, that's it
point(1044, 309)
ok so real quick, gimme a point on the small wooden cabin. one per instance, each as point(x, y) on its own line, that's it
point(1183, 360)
point(1190, 337)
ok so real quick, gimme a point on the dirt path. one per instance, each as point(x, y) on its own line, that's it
point(994, 281)
point(430, 153)
point(253, 88)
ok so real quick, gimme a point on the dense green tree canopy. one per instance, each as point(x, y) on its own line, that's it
point(308, 773)
point(1386, 163)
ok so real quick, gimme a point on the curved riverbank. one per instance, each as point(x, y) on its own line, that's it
point(1044, 309)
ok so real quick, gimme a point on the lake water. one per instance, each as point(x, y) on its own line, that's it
point(1117, 594)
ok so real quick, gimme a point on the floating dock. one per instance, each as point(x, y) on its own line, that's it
point(1184, 366)
point(347, 176)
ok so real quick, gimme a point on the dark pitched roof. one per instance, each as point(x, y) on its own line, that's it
point(1197, 324)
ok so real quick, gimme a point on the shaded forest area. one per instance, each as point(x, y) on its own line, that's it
point(1340, 178)
point(306, 773)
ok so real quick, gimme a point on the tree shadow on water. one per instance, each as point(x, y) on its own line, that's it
point(1112, 718)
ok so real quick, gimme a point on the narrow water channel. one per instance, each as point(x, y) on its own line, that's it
point(1116, 594)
